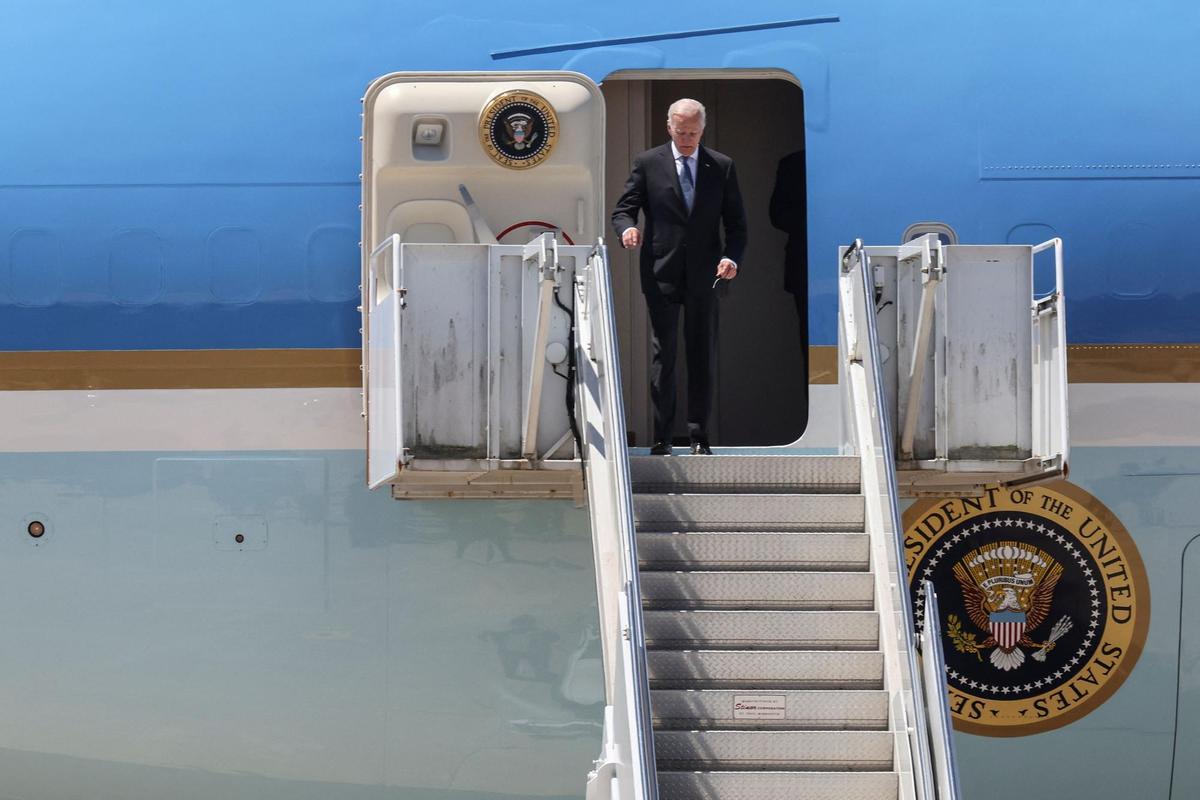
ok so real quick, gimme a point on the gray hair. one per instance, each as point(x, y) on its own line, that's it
point(686, 107)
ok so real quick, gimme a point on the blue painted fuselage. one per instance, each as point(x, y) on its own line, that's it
point(185, 176)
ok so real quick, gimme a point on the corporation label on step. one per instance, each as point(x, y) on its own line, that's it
point(759, 706)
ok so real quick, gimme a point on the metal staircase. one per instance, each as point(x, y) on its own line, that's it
point(762, 634)
point(754, 611)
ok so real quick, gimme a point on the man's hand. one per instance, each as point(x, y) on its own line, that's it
point(727, 269)
point(630, 238)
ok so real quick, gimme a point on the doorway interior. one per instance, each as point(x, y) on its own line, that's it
point(756, 118)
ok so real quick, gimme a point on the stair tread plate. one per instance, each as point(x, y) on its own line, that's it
point(758, 670)
point(765, 708)
point(754, 550)
point(764, 474)
point(777, 785)
point(714, 629)
point(785, 512)
point(744, 589)
point(825, 751)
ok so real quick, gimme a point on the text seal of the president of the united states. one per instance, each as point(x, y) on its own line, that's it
point(518, 129)
point(1043, 603)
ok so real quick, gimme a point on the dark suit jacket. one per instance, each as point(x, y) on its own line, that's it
point(680, 251)
point(789, 213)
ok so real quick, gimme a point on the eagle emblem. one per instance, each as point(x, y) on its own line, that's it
point(1007, 589)
point(519, 129)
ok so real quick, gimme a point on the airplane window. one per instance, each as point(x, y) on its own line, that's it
point(945, 233)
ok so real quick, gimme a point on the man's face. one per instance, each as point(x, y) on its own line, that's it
point(685, 132)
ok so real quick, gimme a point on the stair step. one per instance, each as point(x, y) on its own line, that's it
point(758, 590)
point(758, 474)
point(757, 550)
point(821, 751)
point(759, 670)
point(748, 512)
point(778, 785)
point(752, 630)
point(769, 709)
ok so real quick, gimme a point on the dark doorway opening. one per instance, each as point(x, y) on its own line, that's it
point(762, 389)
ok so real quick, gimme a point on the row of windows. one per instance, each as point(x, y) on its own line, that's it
point(140, 267)
point(134, 267)
point(1129, 270)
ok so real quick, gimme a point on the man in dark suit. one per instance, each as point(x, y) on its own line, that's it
point(789, 213)
point(686, 193)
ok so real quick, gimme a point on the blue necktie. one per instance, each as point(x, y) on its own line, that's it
point(686, 183)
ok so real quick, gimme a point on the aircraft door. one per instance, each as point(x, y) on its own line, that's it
point(481, 193)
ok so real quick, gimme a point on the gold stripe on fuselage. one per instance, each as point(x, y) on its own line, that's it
point(339, 367)
point(1086, 363)
point(180, 369)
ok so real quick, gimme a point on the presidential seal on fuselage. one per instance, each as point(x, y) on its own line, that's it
point(1043, 599)
point(518, 129)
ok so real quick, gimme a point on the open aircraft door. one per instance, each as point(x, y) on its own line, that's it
point(974, 363)
point(468, 334)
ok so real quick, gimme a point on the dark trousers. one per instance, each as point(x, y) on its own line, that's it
point(700, 340)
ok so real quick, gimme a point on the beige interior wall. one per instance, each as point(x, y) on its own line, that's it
point(562, 191)
point(757, 122)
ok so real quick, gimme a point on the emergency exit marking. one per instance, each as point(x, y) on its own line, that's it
point(759, 706)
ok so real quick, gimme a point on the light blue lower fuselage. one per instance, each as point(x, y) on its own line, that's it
point(185, 178)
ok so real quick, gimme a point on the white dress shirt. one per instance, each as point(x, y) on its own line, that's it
point(679, 163)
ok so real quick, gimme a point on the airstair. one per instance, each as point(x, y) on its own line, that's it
point(762, 598)
point(766, 667)
point(755, 611)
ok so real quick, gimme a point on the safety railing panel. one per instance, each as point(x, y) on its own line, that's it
point(469, 380)
point(976, 386)
point(384, 429)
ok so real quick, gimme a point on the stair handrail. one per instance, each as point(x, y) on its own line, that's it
point(871, 415)
point(626, 768)
point(937, 699)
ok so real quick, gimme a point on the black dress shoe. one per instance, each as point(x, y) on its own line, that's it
point(661, 448)
point(701, 449)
